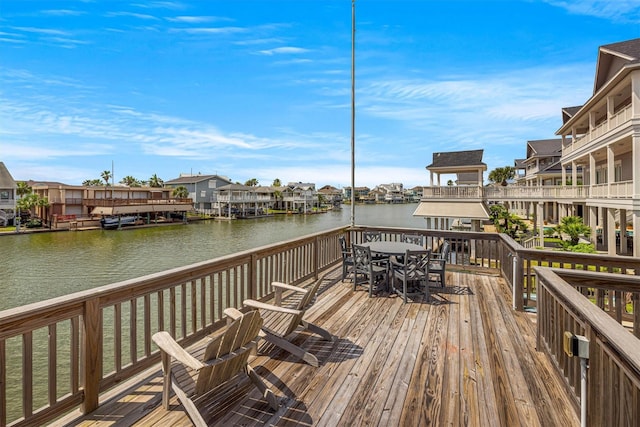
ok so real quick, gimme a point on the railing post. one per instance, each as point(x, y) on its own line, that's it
point(91, 354)
point(253, 278)
point(519, 282)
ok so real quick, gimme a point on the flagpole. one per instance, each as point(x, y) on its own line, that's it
point(353, 113)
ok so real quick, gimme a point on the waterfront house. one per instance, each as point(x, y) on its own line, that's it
point(300, 197)
point(8, 196)
point(602, 138)
point(331, 195)
point(203, 189)
point(360, 194)
point(442, 205)
point(391, 193)
point(237, 200)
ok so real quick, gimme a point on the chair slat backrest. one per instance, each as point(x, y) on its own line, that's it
point(416, 239)
point(307, 299)
point(361, 258)
point(416, 264)
point(228, 352)
point(371, 236)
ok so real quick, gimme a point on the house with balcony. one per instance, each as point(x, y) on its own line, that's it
point(8, 189)
point(300, 197)
point(331, 195)
point(444, 205)
point(390, 193)
point(602, 138)
point(361, 194)
point(242, 201)
point(203, 189)
point(68, 203)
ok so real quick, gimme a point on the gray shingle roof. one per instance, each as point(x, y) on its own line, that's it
point(457, 158)
point(6, 180)
point(544, 147)
point(629, 48)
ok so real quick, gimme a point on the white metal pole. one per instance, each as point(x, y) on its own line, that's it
point(353, 113)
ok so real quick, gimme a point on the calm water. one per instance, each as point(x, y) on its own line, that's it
point(39, 266)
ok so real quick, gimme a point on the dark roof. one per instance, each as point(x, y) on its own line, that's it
point(195, 178)
point(568, 112)
point(457, 158)
point(231, 187)
point(544, 148)
point(6, 180)
point(629, 48)
point(519, 163)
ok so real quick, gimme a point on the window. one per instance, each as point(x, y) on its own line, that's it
point(4, 195)
point(601, 175)
point(617, 171)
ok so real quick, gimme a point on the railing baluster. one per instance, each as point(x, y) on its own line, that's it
point(53, 364)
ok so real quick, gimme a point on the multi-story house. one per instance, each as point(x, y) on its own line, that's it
point(391, 193)
point(300, 196)
point(360, 193)
point(331, 195)
point(237, 200)
point(8, 188)
point(203, 189)
point(70, 202)
point(442, 205)
point(599, 162)
point(602, 137)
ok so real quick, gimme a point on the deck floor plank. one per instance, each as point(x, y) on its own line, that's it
point(463, 358)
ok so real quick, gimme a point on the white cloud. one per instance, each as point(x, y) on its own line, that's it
point(285, 50)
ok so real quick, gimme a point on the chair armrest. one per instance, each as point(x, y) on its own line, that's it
point(264, 306)
point(232, 313)
point(168, 345)
point(288, 287)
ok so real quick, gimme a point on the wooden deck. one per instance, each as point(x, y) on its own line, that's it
point(464, 358)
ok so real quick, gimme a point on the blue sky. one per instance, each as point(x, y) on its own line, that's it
point(261, 89)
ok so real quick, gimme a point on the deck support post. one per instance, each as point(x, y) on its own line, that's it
point(91, 354)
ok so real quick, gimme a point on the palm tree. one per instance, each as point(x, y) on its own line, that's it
point(180, 192)
point(156, 182)
point(253, 182)
point(130, 181)
point(91, 182)
point(106, 175)
point(277, 194)
point(573, 227)
point(23, 188)
point(502, 175)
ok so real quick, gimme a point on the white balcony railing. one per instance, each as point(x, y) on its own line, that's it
point(620, 118)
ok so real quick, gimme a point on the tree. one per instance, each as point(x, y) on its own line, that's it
point(91, 182)
point(450, 183)
point(23, 188)
point(277, 194)
point(506, 222)
point(155, 182)
point(130, 181)
point(180, 192)
point(502, 175)
point(253, 182)
point(30, 201)
point(106, 176)
point(574, 228)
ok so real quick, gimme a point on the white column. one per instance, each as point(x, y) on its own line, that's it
point(635, 164)
point(623, 231)
point(592, 169)
point(592, 219)
point(430, 178)
point(611, 173)
point(574, 174)
point(540, 216)
point(564, 175)
point(611, 231)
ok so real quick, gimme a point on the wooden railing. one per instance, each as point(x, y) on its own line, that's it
point(62, 353)
point(613, 375)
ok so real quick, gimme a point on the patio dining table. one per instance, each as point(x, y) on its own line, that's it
point(392, 248)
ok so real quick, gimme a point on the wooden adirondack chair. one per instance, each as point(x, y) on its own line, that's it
point(281, 322)
point(225, 357)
